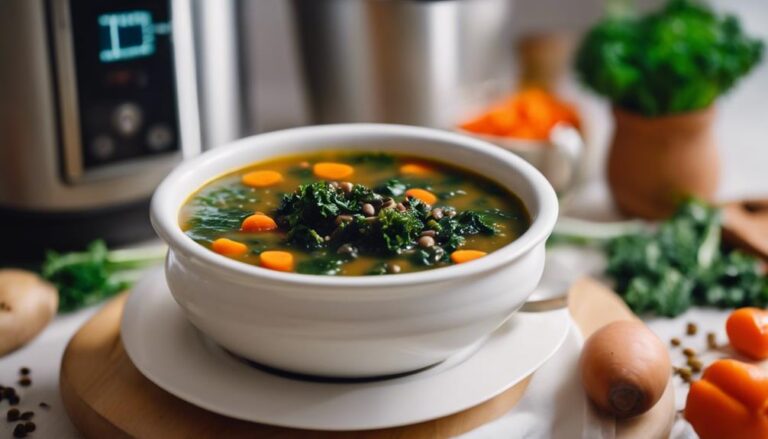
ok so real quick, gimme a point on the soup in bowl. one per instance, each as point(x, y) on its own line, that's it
point(353, 250)
point(353, 213)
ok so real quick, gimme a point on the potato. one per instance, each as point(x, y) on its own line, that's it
point(27, 305)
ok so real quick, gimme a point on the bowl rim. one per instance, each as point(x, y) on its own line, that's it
point(165, 221)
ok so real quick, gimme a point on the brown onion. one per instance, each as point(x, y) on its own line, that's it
point(624, 368)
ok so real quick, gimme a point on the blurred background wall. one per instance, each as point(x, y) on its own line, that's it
point(276, 97)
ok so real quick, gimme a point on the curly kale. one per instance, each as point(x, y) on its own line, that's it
point(451, 231)
point(392, 187)
point(682, 263)
point(398, 230)
point(84, 278)
point(677, 59)
point(317, 204)
point(322, 216)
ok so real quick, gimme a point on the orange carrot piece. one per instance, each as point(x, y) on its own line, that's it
point(529, 114)
point(461, 256)
point(502, 121)
point(228, 247)
point(745, 382)
point(422, 194)
point(747, 330)
point(332, 171)
point(414, 169)
point(712, 412)
point(276, 260)
point(477, 125)
point(258, 222)
point(729, 401)
point(264, 178)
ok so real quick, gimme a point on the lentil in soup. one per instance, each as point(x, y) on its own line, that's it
point(353, 213)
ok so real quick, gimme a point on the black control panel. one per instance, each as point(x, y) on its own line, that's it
point(124, 70)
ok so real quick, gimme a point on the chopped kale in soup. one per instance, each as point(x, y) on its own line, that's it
point(342, 213)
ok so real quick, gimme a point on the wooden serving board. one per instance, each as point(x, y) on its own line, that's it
point(745, 226)
point(592, 306)
point(106, 396)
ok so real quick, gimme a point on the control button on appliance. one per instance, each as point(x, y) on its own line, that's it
point(102, 147)
point(127, 118)
point(159, 137)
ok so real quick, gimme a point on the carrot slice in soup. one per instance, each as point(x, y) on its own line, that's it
point(228, 247)
point(414, 169)
point(422, 194)
point(276, 260)
point(258, 223)
point(262, 178)
point(461, 256)
point(332, 171)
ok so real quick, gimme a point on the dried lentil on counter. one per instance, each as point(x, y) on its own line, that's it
point(712, 341)
point(20, 431)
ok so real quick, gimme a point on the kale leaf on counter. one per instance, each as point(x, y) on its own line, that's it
point(682, 263)
point(84, 278)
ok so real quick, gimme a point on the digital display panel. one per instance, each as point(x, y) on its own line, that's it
point(128, 35)
point(125, 80)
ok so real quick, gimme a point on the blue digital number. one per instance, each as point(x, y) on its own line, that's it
point(126, 35)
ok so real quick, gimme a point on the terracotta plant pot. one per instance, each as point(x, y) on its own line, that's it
point(655, 162)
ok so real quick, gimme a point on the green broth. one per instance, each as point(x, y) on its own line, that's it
point(218, 209)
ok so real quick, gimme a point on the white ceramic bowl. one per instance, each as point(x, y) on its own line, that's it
point(353, 326)
point(560, 157)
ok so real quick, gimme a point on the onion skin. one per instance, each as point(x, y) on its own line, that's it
point(624, 368)
point(29, 303)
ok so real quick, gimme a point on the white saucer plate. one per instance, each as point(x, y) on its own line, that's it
point(169, 351)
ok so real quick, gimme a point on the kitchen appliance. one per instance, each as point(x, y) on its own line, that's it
point(98, 101)
point(420, 62)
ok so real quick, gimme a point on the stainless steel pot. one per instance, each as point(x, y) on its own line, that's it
point(401, 61)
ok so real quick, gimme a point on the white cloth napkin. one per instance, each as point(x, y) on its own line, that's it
point(554, 405)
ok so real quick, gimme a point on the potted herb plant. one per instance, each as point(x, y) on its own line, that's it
point(662, 73)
